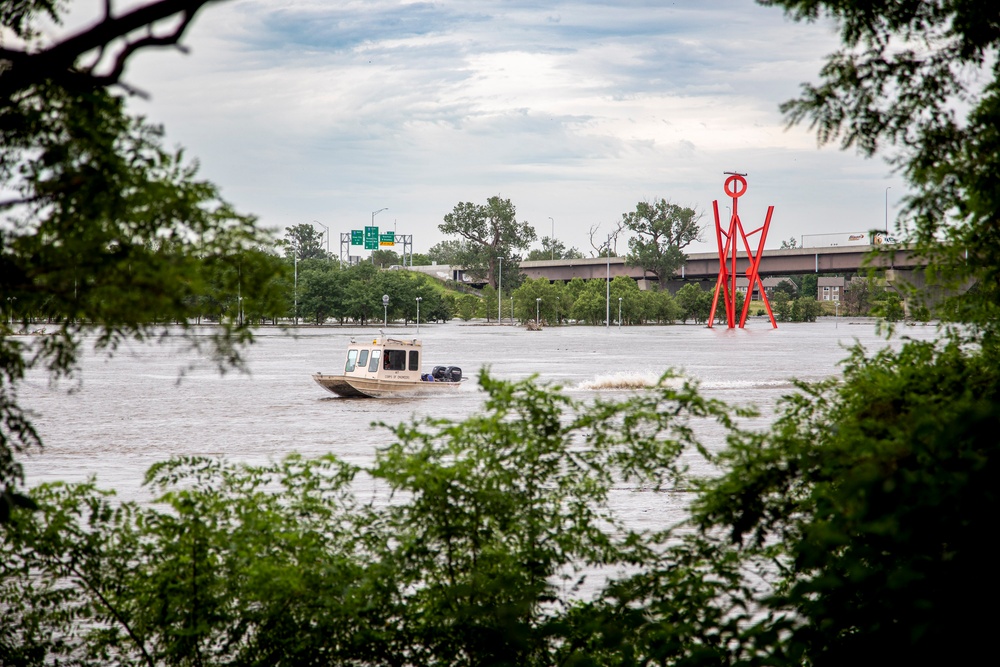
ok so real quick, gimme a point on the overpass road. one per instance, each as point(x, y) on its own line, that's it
point(705, 266)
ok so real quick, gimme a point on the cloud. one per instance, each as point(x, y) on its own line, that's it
point(574, 110)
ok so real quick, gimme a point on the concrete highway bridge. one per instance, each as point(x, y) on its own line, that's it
point(705, 266)
point(903, 268)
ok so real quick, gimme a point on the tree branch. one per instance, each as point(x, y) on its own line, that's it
point(21, 69)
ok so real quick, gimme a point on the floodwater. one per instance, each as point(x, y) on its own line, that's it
point(134, 409)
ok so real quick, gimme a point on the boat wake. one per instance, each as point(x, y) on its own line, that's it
point(638, 380)
point(633, 380)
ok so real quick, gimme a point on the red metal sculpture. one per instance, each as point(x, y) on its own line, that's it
point(736, 187)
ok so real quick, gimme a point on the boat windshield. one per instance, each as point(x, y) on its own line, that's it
point(362, 358)
point(373, 365)
point(395, 360)
point(352, 360)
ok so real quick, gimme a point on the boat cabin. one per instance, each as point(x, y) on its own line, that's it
point(386, 359)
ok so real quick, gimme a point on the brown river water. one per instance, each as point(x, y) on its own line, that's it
point(134, 409)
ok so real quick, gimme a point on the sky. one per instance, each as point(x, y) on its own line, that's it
point(312, 111)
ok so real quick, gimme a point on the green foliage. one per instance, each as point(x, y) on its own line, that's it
point(694, 303)
point(805, 309)
point(920, 77)
point(109, 232)
point(553, 249)
point(385, 258)
point(862, 295)
point(662, 231)
point(788, 287)
point(809, 286)
point(304, 242)
point(525, 301)
point(489, 235)
point(890, 308)
point(875, 497)
point(468, 306)
point(451, 252)
point(476, 563)
point(787, 309)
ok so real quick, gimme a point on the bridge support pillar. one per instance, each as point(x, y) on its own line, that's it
point(917, 292)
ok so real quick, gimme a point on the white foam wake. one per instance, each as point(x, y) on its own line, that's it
point(632, 380)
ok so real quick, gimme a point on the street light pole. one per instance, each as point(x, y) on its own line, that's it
point(887, 210)
point(327, 237)
point(552, 239)
point(499, 288)
point(619, 313)
point(385, 311)
point(374, 213)
point(418, 315)
point(607, 291)
point(295, 314)
point(538, 303)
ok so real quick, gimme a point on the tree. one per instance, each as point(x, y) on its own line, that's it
point(109, 232)
point(662, 231)
point(476, 563)
point(919, 78)
point(694, 302)
point(451, 252)
point(493, 234)
point(809, 285)
point(873, 496)
point(861, 294)
point(116, 37)
point(603, 246)
point(553, 249)
point(789, 244)
point(385, 258)
point(304, 242)
point(591, 304)
point(525, 301)
point(804, 309)
point(788, 287)
point(889, 308)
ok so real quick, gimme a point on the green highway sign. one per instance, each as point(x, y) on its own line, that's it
point(371, 238)
point(389, 238)
point(357, 237)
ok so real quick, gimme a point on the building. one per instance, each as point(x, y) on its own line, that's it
point(769, 284)
point(830, 289)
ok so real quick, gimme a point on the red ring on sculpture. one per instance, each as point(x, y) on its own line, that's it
point(734, 193)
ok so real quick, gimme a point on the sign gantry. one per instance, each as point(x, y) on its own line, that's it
point(728, 240)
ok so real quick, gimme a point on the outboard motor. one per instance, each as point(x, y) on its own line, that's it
point(454, 374)
point(439, 373)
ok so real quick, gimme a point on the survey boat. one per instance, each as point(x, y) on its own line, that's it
point(388, 367)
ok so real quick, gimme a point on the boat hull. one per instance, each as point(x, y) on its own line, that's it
point(358, 387)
